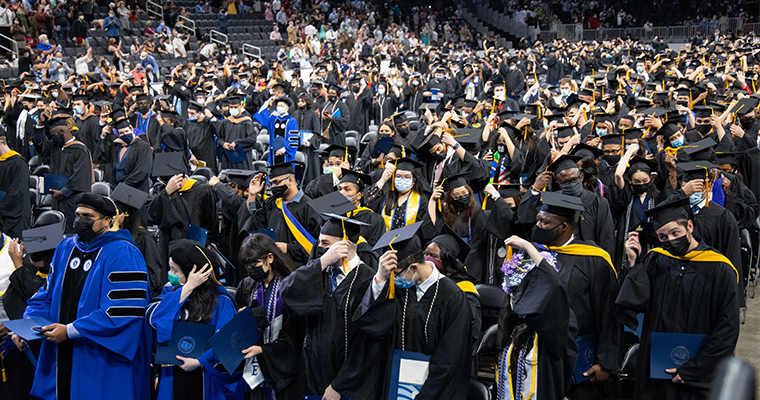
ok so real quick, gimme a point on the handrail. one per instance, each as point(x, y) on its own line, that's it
point(218, 37)
point(13, 44)
point(155, 9)
point(250, 53)
point(186, 23)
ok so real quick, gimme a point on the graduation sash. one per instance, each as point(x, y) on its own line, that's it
point(579, 249)
point(356, 211)
point(188, 185)
point(699, 256)
point(412, 207)
point(303, 237)
point(8, 155)
point(508, 391)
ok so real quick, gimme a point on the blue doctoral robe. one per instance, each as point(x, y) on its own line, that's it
point(283, 126)
point(102, 289)
point(161, 316)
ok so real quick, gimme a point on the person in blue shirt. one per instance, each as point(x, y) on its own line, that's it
point(45, 46)
point(151, 66)
point(162, 29)
point(193, 295)
point(222, 16)
point(112, 25)
point(283, 130)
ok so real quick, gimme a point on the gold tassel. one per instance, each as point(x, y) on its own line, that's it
point(392, 285)
point(509, 252)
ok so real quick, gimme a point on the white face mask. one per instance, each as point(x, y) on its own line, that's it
point(282, 110)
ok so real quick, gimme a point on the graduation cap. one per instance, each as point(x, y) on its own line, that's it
point(407, 164)
point(668, 212)
point(42, 238)
point(339, 152)
point(404, 240)
point(195, 106)
point(101, 103)
point(81, 97)
point(333, 203)
point(97, 202)
point(453, 243)
point(121, 124)
point(286, 168)
point(168, 164)
point(561, 204)
point(638, 164)
point(240, 177)
point(169, 113)
point(399, 118)
point(727, 157)
point(662, 96)
point(356, 178)
point(745, 105)
point(508, 189)
point(454, 181)
point(584, 150)
point(286, 100)
point(143, 97)
point(563, 163)
point(127, 195)
point(705, 111)
point(234, 100)
point(564, 131)
point(669, 129)
point(341, 226)
point(469, 138)
point(701, 150)
point(583, 92)
point(602, 118)
point(695, 170)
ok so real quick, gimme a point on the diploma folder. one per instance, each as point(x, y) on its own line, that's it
point(198, 234)
point(23, 327)
point(236, 155)
point(672, 350)
point(188, 340)
point(53, 181)
point(240, 333)
point(382, 146)
point(586, 356)
point(409, 372)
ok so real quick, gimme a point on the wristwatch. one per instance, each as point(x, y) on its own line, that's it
point(456, 146)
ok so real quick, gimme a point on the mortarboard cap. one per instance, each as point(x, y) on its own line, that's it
point(564, 131)
point(563, 163)
point(727, 157)
point(240, 177)
point(281, 169)
point(340, 225)
point(169, 164)
point(43, 238)
point(194, 105)
point(449, 240)
point(129, 196)
point(404, 240)
point(584, 150)
point(668, 211)
point(97, 202)
point(142, 97)
point(454, 181)
point(332, 203)
point(701, 150)
point(695, 169)
point(407, 164)
point(745, 105)
point(356, 178)
point(339, 152)
point(641, 164)
point(561, 204)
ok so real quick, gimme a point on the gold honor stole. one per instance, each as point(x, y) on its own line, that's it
point(699, 256)
point(468, 287)
point(533, 378)
point(188, 185)
point(303, 237)
point(8, 155)
point(412, 207)
point(579, 249)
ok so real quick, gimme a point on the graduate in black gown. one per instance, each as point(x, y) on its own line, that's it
point(200, 133)
point(145, 120)
point(398, 196)
point(430, 314)
point(68, 157)
point(334, 115)
point(359, 102)
point(336, 159)
point(237, 130)
point(686, 287)
point(342, 352)
point(15, 210)
point(130, 155)
point(231, 195)
point(287, 201)
point(308, 120)
point(352, 186)
point(87, 123)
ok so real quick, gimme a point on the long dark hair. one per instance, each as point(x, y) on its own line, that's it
point(257, 247)
point(133, 220)
point(392, 198)
point(205, 298)
point(374, 140)
point(451, 267)
point(450, 213)
point(514, 331)
point(590, 174)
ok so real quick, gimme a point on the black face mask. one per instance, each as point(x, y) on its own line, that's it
point(257, 273)
point(332, 98)
point(355, 89)
point(320, 251)
point(641, 188)
point(545, 236)
point(678, 246)
point(403, 131)
point(439, 156)
point(58, 140)
point(611, 160)
point(746, 122)
point(703, 129)
point(83, 227)
point(461, 202)
point(303, 107)
point(142, 109)
point(279, 191)
point(314, 95)
point(572, 188)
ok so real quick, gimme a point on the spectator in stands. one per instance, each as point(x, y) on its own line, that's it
point(275, 34)
point(112, 24)
point(114, 49)
point(593, 22)
point(201, 7)
point(44, 45)
point(18, 33)
point(276, 6)
point(123, 12)
point(135, 48)
point(163, 30)
point(88, 10)
point(165, 46)
point(42, 20)
point(179, 44)
point(59, 70)
point(6, 19)
point(148, 31)
point(61, 16)
point(79, 30)
point(282, 21)
point(222, 17)
point(24, 61)
point(82, 63)
point(207, 52)
point(149, 63)
point(292, 30)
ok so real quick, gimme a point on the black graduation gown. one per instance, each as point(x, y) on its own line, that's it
point(543, 303)
point(265, 214)
point(158, 265)
point(229, 234)
point(321, 186)
point(72, 161)
point(242, 133)
point(88, 132)
point(383, 107)
point(337, 126)
point(376, 228)
point(681, 297)
point(360, 107)
point(331, 329)
point(138, 164)
point(725, 145)
point(151, 128)
point(595, 223)
point(747, 163)
point(473, 233)
point(741, 202)
point(202, 141)
point(308, 120)
point(591, 285)
point(174, 214)
point(15, 208)
point(627, 220)
point(25, 281)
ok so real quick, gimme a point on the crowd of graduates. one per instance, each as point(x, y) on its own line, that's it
point(442, 223)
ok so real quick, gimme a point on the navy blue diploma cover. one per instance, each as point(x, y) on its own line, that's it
point(672, 350)
point(586, 356)
point(240, 333)
point(409, 372)
point(189, 340)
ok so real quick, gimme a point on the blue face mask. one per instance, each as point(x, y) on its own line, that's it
point(695, 198)
point(329, 170)
point(282, 110)
point(677, 143)
point(77, 109)
point(193, 118)
point(564, 92)
point(600, 132)
point(234, 112)
point(127, 138)
point(401, 282)
point(640, 70)
point(174, 280)
point(719, 76)
point(403, 185)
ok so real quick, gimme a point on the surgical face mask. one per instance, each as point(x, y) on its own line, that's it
point(415, 83)
point(564, 92)
point(677, 143)
point(174, 280)
point(512, 67)
point(329, 170)
point(719, 75)
point(78, 110)
point(640, 70)
point(403, 185)
point(192, 118)
point(54, 94)
point(381, 91)
point(475, 69)
point(500, 96)
point(234, 112)
point(401, 282)
point(641, 188)
point(703, 129)
point(279, 191)
point(59, 59)
point(611, 159)
point(244, 83)
point(544, 236)
point(678, 246)
point(399, 83)
point(282, 110)
point(502, 149)
point(600, 132)
point(572, 188)
point(695, 198)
